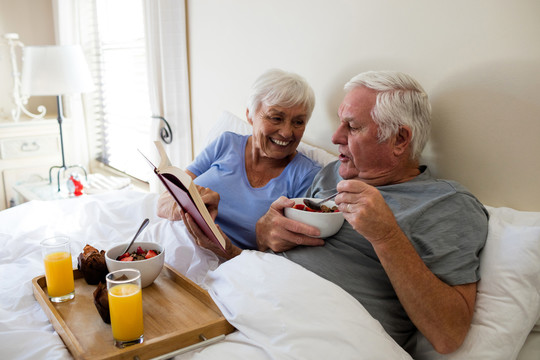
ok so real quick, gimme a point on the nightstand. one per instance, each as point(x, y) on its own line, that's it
point(28, 148)
point(42, 190)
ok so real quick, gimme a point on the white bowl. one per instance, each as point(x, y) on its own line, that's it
point(149, 268)
point(327, 223)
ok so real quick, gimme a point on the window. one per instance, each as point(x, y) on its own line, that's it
point(113, 37)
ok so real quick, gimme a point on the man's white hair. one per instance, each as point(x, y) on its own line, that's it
point(401, 100)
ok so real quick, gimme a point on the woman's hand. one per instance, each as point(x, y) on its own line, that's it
point(203, 241)
point(169, 209)
point(210, 199)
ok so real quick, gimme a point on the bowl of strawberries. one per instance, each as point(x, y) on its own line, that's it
point(328, 220)
point(145, 256)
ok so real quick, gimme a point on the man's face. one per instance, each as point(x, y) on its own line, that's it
point(362, 156)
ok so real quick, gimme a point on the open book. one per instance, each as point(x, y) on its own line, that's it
point(182, 188)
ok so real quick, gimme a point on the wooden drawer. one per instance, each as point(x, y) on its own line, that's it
point(23, 147)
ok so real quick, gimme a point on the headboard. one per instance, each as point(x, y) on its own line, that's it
point(485, 127)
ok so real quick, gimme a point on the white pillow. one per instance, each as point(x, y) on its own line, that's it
point(508, 297)
point(230, 122)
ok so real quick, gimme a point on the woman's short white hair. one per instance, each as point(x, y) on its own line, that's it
point(401, 100)
point(276, 87)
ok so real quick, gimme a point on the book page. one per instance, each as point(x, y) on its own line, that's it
point(164, 162)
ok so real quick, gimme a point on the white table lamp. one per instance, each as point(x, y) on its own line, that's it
point(55, 70)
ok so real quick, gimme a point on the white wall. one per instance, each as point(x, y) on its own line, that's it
point(478, 60)
point(33, 21)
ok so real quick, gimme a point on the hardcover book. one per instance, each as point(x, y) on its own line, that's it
point(182, 188)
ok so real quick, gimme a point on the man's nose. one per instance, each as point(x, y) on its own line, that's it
point(339, 135)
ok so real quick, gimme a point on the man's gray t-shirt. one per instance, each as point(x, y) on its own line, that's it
point(446, 224)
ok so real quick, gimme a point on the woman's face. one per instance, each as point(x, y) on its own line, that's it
point(277, 130)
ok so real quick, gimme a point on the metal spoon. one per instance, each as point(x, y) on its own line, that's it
point(141, 228)
point(316, 205)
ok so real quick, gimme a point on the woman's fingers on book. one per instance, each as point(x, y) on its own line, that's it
point(210, 199)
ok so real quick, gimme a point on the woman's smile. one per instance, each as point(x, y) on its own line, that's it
point(280, 142)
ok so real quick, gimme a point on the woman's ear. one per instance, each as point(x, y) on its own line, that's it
point(248, 117)
point(402, 140)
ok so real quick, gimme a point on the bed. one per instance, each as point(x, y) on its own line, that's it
point(280, 310)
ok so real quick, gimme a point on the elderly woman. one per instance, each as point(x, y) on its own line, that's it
point(250, 171)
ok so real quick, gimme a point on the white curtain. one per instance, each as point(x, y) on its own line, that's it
point(168, 76)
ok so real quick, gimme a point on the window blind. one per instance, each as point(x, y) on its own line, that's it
point(113, 37)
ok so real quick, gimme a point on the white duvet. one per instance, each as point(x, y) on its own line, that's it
point(290, 313)
point(281, 310)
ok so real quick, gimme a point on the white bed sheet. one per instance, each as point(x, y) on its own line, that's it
point(281, 311)
point(100, 220)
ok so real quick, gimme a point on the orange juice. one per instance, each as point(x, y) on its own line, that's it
point(125, 306)
point(59, 273)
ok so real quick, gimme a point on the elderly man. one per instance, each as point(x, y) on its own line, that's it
point(408, 250)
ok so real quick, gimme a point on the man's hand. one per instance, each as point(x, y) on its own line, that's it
point(366, 210)
point(276, 232)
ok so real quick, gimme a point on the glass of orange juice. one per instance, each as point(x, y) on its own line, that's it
point(58, 268)
point(125, 306)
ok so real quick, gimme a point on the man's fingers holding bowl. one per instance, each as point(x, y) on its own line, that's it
point(282, 202)
point(298, 228)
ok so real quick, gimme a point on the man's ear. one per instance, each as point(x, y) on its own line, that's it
point(402, 140)
point(248, 117)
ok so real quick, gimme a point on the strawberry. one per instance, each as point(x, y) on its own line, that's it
point(299, 206)
point(122, 256)
point(140, 251)
point(150, 254)
point(127, 258)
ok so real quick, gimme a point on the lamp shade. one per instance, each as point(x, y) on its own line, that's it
point(54, 70)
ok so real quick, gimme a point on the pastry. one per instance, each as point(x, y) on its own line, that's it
point(101, 300)
point(91, 262)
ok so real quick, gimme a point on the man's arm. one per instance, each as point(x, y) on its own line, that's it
point(441, 312)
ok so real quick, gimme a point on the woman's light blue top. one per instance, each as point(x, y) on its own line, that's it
point(221, 167)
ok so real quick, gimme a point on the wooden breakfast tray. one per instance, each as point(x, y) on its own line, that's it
point(177, 313)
